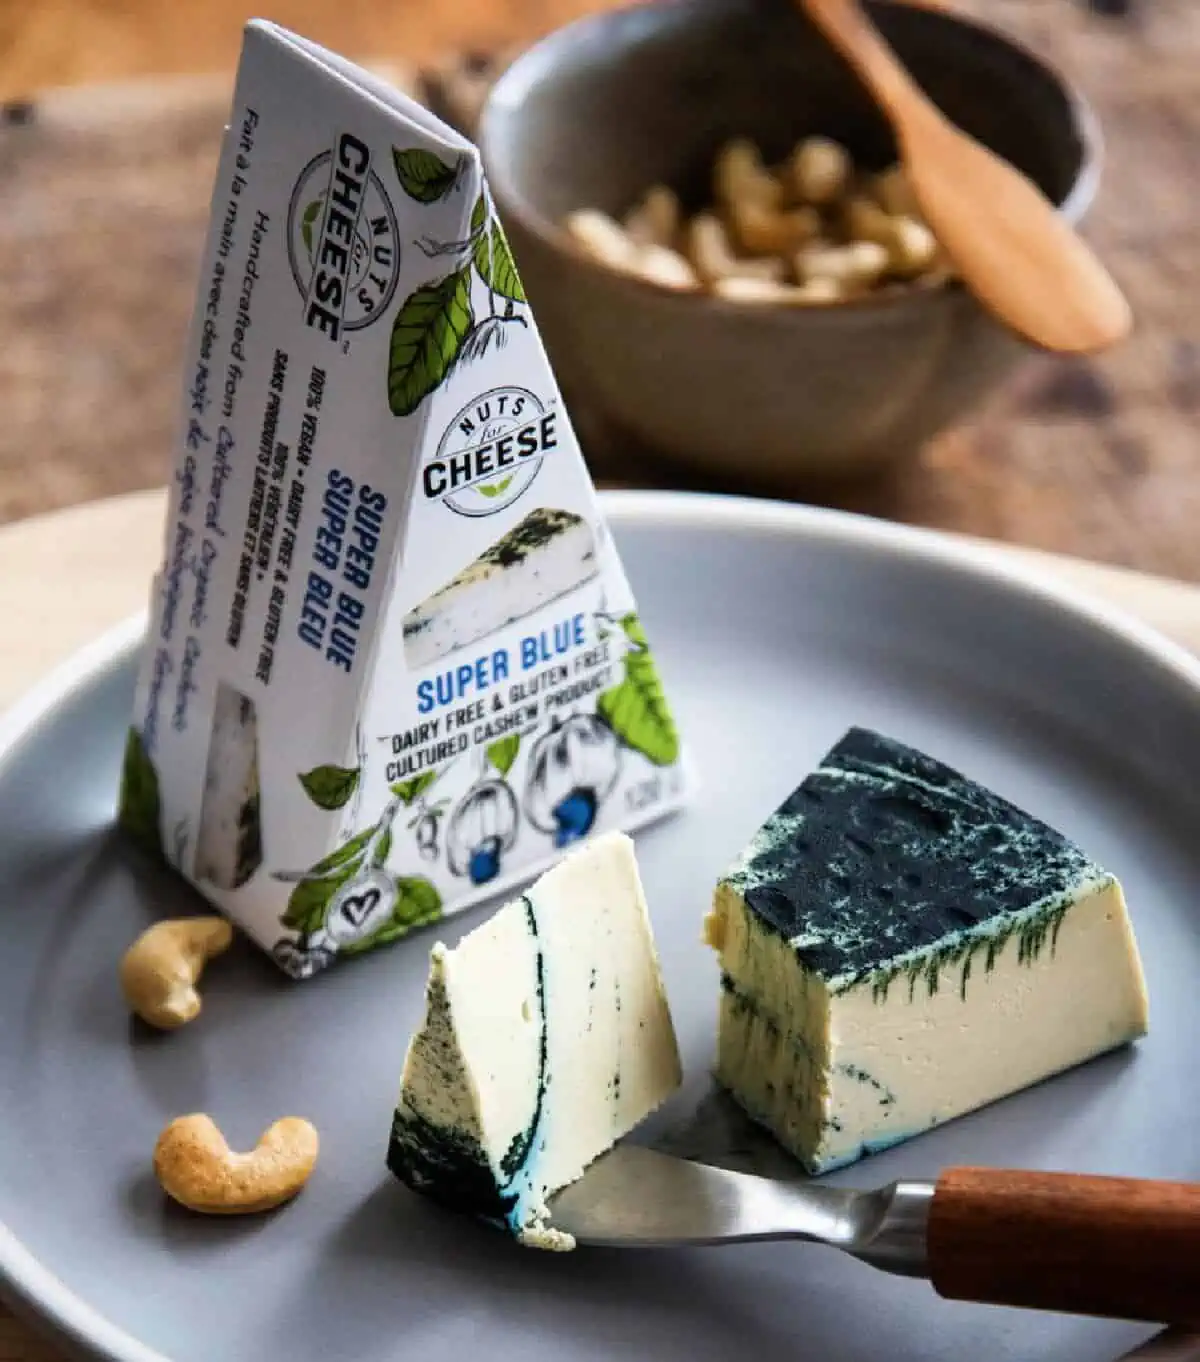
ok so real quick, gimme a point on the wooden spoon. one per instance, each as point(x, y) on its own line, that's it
point(1018, 256)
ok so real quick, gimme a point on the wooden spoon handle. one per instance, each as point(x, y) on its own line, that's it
point(1117, 1247)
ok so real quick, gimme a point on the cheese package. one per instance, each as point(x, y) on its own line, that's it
point(393, 663)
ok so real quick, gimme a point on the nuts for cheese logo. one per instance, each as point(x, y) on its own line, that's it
point(491, 452)
point(343, 239)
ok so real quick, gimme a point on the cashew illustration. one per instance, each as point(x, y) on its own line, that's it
point(160, 970)
point(196, 1167)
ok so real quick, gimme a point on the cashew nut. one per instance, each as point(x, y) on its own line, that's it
point(856, 266)
point(665, 267)
point(769, 231)
point(820, 170)
point(655, 220)
point(866, 221)
point(197, 1168)
point(913, 248)
point(603, 239)
point(608, 243)
point(894, 194)
point(770, 292)
point(739, 174)
point(820, 291)
point(712, 257)
point(159, 972)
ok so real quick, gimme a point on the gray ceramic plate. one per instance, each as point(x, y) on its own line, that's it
point(777, 627)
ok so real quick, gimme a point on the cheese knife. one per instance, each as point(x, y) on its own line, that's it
point(1123, 1248)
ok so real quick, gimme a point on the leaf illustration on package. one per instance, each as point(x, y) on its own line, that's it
point(427, 337)
point(636, 710)
point(494, 489)
point(308, 222)
point(634, 631)
point(493, 263)
point(139, 812)
point(485, 250)
point(330, 787)
point(503, 752)
point(408, 790)
point(493, 255)
point(423, 175)
point(309, 901)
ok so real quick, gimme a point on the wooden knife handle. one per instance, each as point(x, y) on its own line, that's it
point(1118, 1247)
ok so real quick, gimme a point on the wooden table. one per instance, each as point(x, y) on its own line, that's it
point(47, 43)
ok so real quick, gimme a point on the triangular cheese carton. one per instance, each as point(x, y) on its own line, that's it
point(393, 663)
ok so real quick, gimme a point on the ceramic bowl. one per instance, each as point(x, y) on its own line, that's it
point(595, 113)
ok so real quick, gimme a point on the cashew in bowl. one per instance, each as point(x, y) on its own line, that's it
point(866, 221)
point(663, 266)
point(602, 238)
point(812, 229)
point(742, 290)
point(771, 231)
point(713, 258)
point(914, 248)
point(656, 220)
point(855, 267)
point(159, 972)
point(739, 174)
point(613, 245)
point(894, 194)
point(820, 170)
point(196, 1167)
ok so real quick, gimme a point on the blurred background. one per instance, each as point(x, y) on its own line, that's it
point(112, 115)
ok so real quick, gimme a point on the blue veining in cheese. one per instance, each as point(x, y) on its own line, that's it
point(546, 1038)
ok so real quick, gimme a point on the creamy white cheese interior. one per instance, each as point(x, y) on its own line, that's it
point(547, 1037)
point(900, 946)
point(548, 554)
point(229, 841)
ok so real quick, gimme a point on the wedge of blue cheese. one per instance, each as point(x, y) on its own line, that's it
point(229, 841)
point(547, 1037)
point(546, 555)
point(899, 946)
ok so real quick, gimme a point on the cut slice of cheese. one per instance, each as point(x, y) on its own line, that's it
point(546, 555)
point(547, 1037)
point(229, 842)
point(900, 946)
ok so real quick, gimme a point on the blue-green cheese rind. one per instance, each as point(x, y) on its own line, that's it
point(883, 853)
